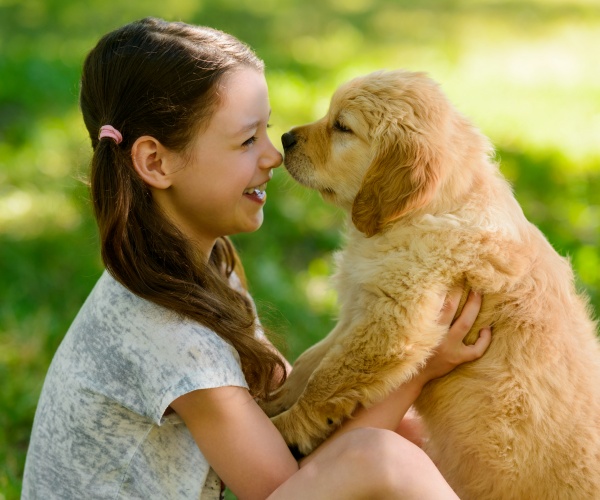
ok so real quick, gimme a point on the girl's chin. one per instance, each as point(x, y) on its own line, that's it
point(253, 224)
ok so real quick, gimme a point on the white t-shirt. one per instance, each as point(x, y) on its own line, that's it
point(99, 430)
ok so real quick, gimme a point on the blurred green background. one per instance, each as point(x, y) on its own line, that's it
point(525, 71)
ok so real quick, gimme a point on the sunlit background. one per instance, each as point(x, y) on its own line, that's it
point(525, 71)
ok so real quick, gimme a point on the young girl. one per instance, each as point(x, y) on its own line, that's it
point(155, 390)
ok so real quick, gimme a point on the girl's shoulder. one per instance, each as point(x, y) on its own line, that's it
point(118, 312)
point(141, 354)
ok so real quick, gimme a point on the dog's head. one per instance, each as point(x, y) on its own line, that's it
point(387, 146)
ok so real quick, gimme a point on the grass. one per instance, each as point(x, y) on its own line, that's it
point(524, 71)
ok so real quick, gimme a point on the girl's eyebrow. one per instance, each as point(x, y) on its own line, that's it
point(250, 126)
point(247, 128)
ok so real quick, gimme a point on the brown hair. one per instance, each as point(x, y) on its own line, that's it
point(156, 78)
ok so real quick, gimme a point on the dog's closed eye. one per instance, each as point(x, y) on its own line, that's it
point(341, 127)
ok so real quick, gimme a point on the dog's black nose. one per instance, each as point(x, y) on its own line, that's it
point(288, 140)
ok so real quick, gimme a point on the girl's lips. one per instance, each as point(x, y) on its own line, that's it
point(257, 193)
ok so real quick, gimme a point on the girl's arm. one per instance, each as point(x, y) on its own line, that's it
point(238, 440)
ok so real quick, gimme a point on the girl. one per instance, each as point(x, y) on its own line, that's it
point(154, 390)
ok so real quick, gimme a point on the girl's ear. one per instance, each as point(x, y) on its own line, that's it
point(149, 160)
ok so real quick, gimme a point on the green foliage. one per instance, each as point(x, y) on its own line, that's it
point(524, 71)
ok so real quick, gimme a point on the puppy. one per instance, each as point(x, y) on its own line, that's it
point(428, 210)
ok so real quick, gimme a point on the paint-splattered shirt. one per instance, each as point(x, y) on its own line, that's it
point(99, 430)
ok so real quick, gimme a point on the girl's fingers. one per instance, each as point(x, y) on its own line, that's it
point(467, 317)
point(477, 350)
point(450, 306)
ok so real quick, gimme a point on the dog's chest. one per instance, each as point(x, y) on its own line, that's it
point(362, 282)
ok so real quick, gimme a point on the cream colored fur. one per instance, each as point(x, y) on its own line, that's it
point(430, 210)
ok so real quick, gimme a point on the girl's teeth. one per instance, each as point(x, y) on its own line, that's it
point(258, 191)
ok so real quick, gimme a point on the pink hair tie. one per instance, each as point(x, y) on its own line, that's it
point(112, 132)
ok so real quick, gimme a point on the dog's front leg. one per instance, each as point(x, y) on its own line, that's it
point(296, 381)
point(362, 369)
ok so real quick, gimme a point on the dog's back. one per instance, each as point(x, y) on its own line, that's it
point(524, 421)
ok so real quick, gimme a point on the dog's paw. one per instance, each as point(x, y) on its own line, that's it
point(300, 432)
point(294, 433)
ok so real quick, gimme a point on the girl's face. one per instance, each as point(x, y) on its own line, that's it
point(218, 186)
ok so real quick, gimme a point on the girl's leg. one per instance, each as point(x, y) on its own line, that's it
point(366, 463)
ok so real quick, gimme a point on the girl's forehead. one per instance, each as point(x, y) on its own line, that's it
point(244, 100)
point(242, 84)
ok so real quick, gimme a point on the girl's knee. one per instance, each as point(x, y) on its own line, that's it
point(374, 446)
point(384, 464)
point(374, 463)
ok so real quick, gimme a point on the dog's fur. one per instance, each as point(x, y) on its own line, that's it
point(429, 211)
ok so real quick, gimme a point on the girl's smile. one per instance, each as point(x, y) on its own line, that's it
point(257, 194)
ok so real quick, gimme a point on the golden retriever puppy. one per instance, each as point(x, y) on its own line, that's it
point(429, 210)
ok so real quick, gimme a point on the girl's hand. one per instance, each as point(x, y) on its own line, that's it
point(452, 351)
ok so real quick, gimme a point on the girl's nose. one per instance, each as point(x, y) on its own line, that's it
point(279, 159)
point(273, 158)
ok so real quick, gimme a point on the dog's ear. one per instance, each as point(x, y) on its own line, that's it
point(403, 176)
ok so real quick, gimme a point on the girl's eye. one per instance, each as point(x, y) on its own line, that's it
point(340, 127)
point(250, 141)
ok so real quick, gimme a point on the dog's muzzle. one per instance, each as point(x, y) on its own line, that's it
point(288, 140)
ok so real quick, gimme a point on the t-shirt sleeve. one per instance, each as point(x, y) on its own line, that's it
point(144, 356)
point(195, 358)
